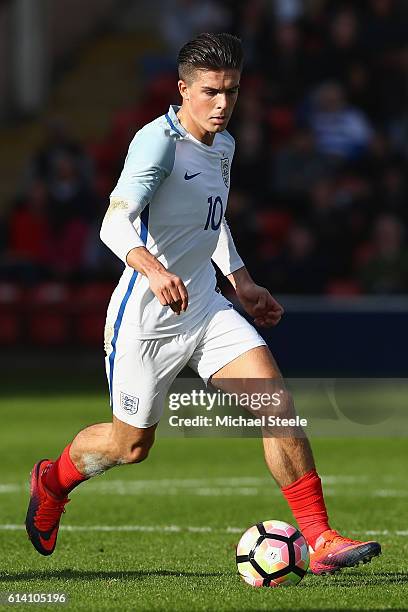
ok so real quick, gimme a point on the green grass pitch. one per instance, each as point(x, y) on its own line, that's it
point(161, 535)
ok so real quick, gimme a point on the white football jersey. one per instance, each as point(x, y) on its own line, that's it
point(171, 197)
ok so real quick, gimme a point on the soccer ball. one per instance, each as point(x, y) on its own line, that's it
point(271, 554)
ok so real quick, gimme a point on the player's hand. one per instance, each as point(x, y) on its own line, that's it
point(169, 290)
point(259, 304)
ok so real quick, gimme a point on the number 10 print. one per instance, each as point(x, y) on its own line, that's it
point(215, 212)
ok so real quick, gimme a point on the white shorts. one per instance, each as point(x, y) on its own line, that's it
point(143, 371)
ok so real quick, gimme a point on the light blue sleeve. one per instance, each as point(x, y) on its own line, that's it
point(149, 162)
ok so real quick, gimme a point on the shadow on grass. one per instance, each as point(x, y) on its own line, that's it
point(69, 574)
point(355, 578)
point(348, 578)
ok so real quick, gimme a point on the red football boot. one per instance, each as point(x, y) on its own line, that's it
point(44, 511)
point(333, 553)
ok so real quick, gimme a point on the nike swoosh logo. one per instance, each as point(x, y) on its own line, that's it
point(187, 177)
point(49, 542)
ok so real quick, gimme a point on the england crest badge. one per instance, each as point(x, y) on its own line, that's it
point(225, 170)
point(129, 403)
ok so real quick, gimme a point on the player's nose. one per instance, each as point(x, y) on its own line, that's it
point(222, 102)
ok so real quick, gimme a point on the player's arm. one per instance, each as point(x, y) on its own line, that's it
point(167, 287)
point(148, 163)
point(256, 300)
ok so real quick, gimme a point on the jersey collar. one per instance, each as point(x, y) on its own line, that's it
point(173, 121)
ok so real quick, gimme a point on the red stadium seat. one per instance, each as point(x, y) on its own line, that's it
point(11, 303)
point(10, 325)
point(282, 123)
point(91, 302)
point(274, 225)
point(10, 295)
point(50, 294)
point(93, 295)
point(47, 329)
point(89, 328)
point(49, 319)
point(343, 287)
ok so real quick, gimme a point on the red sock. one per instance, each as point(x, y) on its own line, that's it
point(63, 476)
point(305, 499)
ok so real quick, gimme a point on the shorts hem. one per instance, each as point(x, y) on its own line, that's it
point(229, 358)
point(127, 419)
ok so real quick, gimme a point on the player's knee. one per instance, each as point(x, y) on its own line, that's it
point(139, 454)
point(136, 453)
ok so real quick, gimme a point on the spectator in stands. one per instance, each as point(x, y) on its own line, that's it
point(71, 196)
point(384, 26)
point(69, 250)
point(299, 166)
point(58, 142)
point(340, 130)
point(29, 249)
point(242, 220)
point(325, 215)
point(254, 22)
point(385, 270)
point(393, 190)
point(3, 231)
point(251, 161)
point(289, 75)
point(362, 90)
point(73, 207)
point(298, 268)
point(341, 48)
point(288, 11)
point(181, 20)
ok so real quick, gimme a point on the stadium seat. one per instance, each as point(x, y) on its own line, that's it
point(11, 303)
point(282, 124)
point(343, 287)
point(89, 328)
point(125, 124)
point(104, 156)
point(274, 224)
point(10, 294)
point(93, 296)
point(91, 302)
point(10, 327)
point(49, 316)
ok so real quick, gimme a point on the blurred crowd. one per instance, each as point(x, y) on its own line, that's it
point(318, 200)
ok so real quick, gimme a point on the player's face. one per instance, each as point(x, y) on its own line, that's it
point(210, 99)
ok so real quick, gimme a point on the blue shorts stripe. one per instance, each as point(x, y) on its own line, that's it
point(144, 223)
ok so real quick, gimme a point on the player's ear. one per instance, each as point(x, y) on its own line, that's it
point(183, 89)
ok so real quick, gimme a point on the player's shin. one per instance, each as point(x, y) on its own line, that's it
point(305, 499)
point(290, 460)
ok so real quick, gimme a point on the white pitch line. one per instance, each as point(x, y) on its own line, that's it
point(390, 493)
point(10, 488)
point(180, 529)
point(137, 528)
point(135, 488)
point(218, 487)
point(191, 483)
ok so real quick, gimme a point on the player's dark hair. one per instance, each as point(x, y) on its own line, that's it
point(210, 52)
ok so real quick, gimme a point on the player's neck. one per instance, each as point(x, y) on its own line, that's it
point(189, 124)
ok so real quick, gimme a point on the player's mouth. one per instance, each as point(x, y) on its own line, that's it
point(219, 120)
